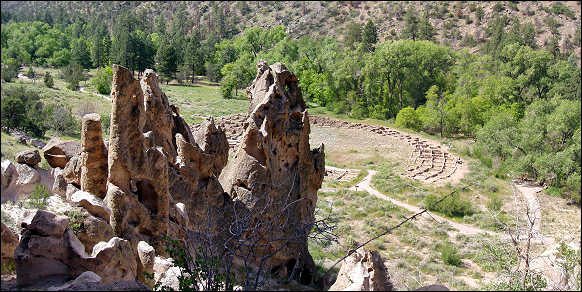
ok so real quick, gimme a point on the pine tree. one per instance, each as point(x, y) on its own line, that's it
point(370, 36)
point(48, 80)
point(166, 61)
point(80, 53)
point(426, 30)
point(411, 18)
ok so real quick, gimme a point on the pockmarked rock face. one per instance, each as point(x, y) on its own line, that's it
point(275, 167)
point(155, 164)
point(362, 271)
point(93, 158)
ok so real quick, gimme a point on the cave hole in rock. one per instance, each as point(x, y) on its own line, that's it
point(147, 195)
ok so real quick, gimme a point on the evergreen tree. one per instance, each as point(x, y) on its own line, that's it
point(48, 80)
point(426, 30)
point(193, 57)
point(353, 34)
point(166, 61)
point(370, 36)
point(80, 53)
point(411, 29)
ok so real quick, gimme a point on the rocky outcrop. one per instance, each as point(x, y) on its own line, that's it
point(9, 174)
point(72, 171)
point(57, 153)
point(274, 167)
point(93, 158)
point(157, 171)
point(137, 185)
point(93, 231)
point(48, 249)
point(9, 243)
point(147, 255)
point(362, 271)
point(91, 203)
point(28, 157)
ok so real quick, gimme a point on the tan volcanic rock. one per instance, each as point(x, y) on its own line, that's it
point(274, 167)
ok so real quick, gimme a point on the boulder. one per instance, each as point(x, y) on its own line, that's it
point(9, 174)
point(93, 158)
point(27, 177)
point(37, 143)
point(93, 231)
point(9, 243)
point(362, 271)
point(146, 254)
point(45, 223)
point(28, 157)
point(166, 273)
point(275, 170)
point(91, 203)
point(82, 280)
point(70, 190)
point(60, 184)
point(72, 171)
point(48, 249)
point(57, 152)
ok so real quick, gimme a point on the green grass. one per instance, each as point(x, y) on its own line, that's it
point(198, 101)
point(347, 184)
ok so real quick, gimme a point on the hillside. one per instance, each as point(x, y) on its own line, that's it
point(456, 23)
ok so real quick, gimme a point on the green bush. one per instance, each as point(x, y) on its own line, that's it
point(48, 80)
point(102, 80)
point(105, 123)
point(408, 118)
point(450, 256)
point(559, 8)
point(76, 219)
point(73, 74)
point(495, 203)
point(38, 197)
point(452, 206)
point(9, 71)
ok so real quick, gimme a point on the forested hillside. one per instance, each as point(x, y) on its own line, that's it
point(504, 73)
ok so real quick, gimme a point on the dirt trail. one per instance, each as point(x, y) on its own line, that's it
point(464, 229)
point(82, 89)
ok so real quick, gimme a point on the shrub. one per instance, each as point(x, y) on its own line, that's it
point(76, 219)
point(408, 118)
point(105, 123)
point(30, 73)
point(38, 197)
point(9, 71)
point(102, 80)
point(63, 121)
point(73, 74)
point(48, 80)
point(559, 8)
point(495, 203)
point(449, 255)
point(498, 7)
point(452, 206)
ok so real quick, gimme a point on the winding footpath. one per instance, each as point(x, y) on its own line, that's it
point(463, 228)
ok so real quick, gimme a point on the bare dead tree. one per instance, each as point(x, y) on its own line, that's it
point(521, 236)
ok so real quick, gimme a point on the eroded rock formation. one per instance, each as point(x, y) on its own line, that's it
point(274, 167)
point(362, 271)
point(161, 179)
point(93, 158)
